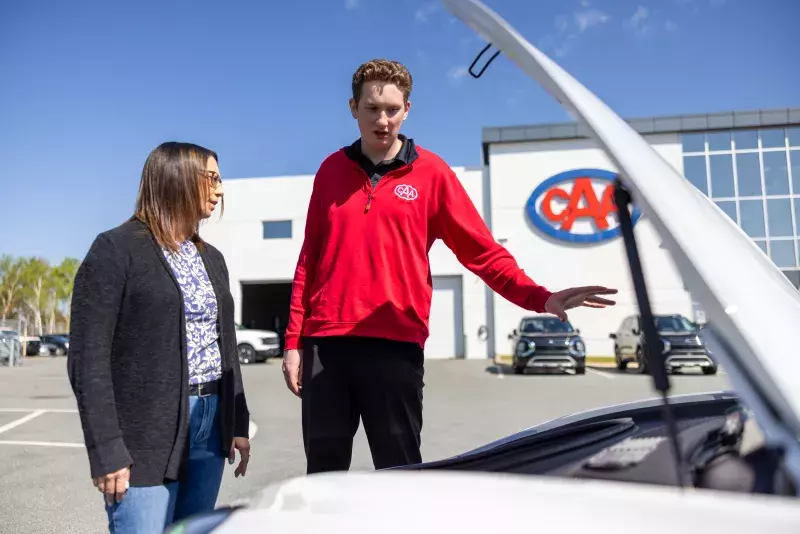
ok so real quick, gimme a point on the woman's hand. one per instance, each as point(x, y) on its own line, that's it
point(114, 485)
point(243, 444)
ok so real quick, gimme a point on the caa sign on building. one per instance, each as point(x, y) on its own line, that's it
point(577, 206)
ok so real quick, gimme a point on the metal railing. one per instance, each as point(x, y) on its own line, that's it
point(12, 350)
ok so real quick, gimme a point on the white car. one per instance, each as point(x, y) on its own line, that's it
point(256, 345)
point(703, 463)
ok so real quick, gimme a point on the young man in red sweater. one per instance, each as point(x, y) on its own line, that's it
point(362, 288)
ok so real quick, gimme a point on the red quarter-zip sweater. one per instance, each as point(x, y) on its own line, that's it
point(363, 268)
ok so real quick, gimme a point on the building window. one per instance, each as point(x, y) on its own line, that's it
point(776, 175)
point(773, 138)
point(748, 173)
point(718, 141)
point(746, 140)
point(782, 253)
point(794, 136)
point(779, 215)
point(694, 168)
point(722, 176)
point(794, 156)
point(753, 175)
point(694, 142)
point(729, 207)
point(277, 229)
point(753, 217)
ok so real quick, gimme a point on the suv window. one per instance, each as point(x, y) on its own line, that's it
point(545, 325)
point(674, 323)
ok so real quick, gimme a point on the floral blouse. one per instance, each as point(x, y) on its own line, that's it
point(200, 309)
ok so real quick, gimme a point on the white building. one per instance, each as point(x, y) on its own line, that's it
point(747, 162)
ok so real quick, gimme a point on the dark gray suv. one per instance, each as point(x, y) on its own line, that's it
point(682, 345)
point(545, 343)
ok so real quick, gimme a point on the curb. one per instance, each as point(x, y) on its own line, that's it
point(599, 361)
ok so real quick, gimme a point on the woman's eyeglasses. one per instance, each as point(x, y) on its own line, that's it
point(213, 177)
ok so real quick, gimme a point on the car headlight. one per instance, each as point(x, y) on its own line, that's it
point(577, 347)
point(525, 348)
point(666, 346)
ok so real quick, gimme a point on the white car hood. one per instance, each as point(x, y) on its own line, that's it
point(399, 502)
point(753, 309)
point(257, 333)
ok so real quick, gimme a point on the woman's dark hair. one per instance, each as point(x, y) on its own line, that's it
point(170, 199)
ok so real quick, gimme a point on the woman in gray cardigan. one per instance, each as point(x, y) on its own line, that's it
point(153, 360)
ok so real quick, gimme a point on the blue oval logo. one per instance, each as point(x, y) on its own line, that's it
point(576, 213)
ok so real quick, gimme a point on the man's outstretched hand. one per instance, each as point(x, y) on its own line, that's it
point(588, 296)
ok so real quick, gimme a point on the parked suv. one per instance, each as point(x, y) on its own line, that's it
point(256, 345)
point(59, 342)
point(544, 342)
point(683, 346)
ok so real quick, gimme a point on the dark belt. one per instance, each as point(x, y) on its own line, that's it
point(203, 390)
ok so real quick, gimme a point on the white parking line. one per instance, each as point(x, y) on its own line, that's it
point(21, 421)
point(33, 414)
point(42, 443)
point(46, 410)
point(600, 373)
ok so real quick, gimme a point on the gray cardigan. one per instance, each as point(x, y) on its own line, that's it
point(127, 362)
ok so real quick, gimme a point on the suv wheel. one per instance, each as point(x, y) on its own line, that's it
point(247, 354)
point(621, 364)
point(642, 370)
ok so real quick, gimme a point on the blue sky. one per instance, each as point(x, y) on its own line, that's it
point(90, 87)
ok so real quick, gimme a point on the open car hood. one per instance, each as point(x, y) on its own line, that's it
point(754, 310)
point(434, 502)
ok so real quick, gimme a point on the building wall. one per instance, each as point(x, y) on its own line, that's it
point(516, 170)
point(239, 232)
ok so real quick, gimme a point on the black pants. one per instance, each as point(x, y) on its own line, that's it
point(377, 380)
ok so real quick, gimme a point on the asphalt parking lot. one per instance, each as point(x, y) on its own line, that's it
point(44, 475)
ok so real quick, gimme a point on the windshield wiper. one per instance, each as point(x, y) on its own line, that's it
point(653, 349)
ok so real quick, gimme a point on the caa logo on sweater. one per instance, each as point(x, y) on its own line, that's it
point(406, 192)
point(577, 206)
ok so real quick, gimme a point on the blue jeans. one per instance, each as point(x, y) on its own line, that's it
point(151, 509)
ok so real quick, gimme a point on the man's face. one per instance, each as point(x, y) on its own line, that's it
point(380, 112)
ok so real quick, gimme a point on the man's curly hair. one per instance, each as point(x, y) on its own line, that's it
point(382, 70)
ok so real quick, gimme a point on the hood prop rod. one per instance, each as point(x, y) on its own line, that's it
point(653, 345)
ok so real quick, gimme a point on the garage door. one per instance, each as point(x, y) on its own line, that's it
point(446, 338)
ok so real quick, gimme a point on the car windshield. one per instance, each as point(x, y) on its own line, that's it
point(674, 323)
point(545, 325)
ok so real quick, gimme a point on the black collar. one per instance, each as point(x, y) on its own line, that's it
point(407, 154)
